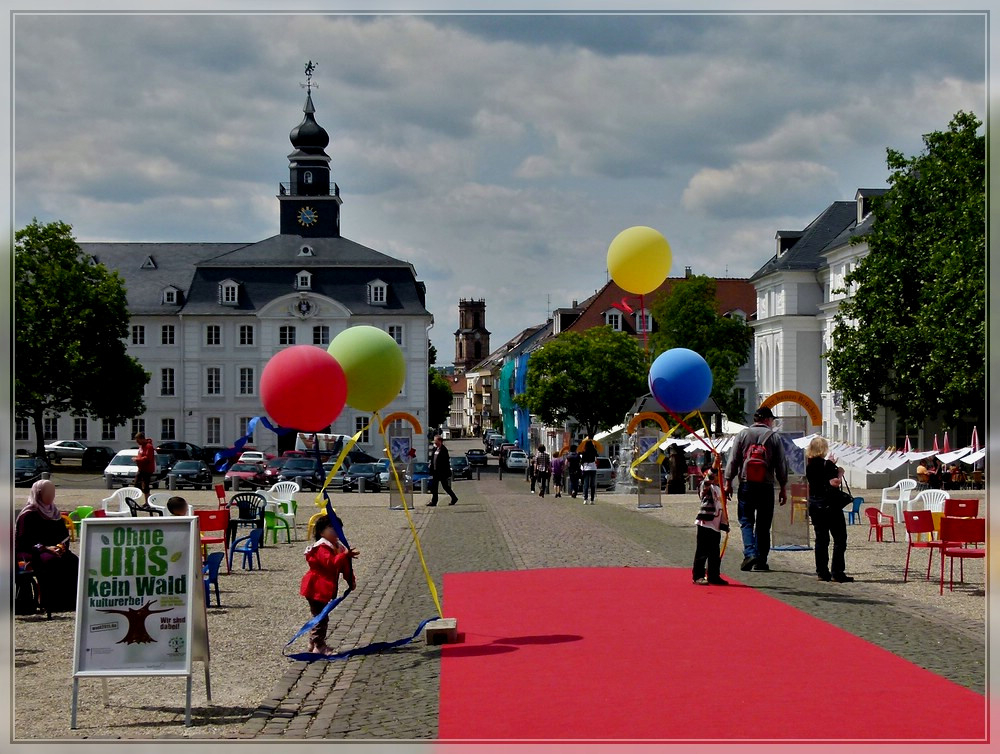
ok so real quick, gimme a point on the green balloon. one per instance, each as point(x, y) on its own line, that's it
point(373, 364)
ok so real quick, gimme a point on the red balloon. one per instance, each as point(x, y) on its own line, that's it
point(304, 388)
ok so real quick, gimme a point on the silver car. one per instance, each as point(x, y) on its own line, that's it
point(607, 475)
point(60, 449)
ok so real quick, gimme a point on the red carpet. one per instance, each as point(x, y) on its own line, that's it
point(641, 653)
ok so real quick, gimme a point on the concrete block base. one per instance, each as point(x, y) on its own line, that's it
point(441, 631)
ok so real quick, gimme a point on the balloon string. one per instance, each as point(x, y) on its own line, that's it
point(635, 464)
point(413, 529)
point(642, 323)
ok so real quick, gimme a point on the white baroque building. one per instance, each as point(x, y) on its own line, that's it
point(206, 317)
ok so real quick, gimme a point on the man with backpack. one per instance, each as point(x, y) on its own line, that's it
point(758, 459)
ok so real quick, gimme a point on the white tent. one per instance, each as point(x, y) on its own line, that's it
point(954, 455)
point(972, 458)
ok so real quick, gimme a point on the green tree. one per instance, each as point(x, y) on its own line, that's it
point(592, 378)
point(912, 336)
point(688, 317)
point(70, 321)
point(439, 399)
point(439, 395)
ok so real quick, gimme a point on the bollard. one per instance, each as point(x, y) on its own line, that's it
point(236, 484)
point(171, 481)
point(500, 472)
point(424, 484)
point(479, 470)
point(301, 482)
point(107, 482)
point(46, 475)
point(361, 484)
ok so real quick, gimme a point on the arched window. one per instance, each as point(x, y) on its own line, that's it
point(307, 177)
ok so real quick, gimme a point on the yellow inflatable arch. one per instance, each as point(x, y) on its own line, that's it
point(794, 396)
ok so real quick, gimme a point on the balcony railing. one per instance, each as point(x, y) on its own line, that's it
point(288, 189)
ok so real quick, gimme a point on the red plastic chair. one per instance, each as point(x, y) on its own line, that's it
point(220, 493)
point(917, 523)
point(213, 521)
point(955, 533)
point(876, 524)
point(956, 507)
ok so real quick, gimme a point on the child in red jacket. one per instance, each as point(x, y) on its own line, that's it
point(328, 559)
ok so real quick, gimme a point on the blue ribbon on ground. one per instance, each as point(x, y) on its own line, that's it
point(372, 648)
point(234, 452)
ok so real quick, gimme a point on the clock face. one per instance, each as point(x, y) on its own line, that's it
point(308, 216)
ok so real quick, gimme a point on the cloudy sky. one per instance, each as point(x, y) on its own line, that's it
point(499, 154)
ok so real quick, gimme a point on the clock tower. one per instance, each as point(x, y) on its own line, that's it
point(472, 339)
point(310, 201)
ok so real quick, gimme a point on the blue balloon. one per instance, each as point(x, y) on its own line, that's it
point(680, 380)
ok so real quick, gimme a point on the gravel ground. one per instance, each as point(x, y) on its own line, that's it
point(261, 611)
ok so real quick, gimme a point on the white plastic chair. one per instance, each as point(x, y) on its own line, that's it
point(903, 488)
point(282, 494)
point(116, 507)
point(159, 500)
point(928, 500)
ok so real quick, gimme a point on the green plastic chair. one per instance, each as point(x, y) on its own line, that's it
point(82, 512)
point(273, 522)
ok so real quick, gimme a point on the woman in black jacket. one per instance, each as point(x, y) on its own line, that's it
point(827, 515)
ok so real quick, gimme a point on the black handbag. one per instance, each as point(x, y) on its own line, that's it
point(837, 498)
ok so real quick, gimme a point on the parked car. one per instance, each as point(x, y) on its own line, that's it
point(62, 449)
point(369, 472)
point(607, 475)
point(96, 457)
point(460, 467)
point(503, 451)
point(339, 481)
point(272, 469)
point(252, 456)
point(476, 457)
point(121, 470)
point(249, 474)
point(417, 472)
point(192, 473)
point(27, 471)
point(210, 451)
point(309, 469)
point(182, 451)
point(517, 459)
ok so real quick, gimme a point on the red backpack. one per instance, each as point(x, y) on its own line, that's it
point(755, 460)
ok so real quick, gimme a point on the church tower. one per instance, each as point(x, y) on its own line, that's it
point(310, 201)
point(472, 339)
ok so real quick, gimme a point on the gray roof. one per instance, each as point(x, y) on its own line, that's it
point(341, 270)
point(807, 252)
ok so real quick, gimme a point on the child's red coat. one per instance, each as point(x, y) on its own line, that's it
point(326, 565)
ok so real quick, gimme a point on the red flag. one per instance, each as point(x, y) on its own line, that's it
point(906, 445)
point(935, 447)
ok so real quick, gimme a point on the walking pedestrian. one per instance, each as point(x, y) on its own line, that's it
point(573, 471)
point(588, 467)
point(710, 522)
point(440, 472)
point(827, 515)
point(542, 470)
point(145, 463)
point(758, 459)
point(558, 464)
point(328, 560)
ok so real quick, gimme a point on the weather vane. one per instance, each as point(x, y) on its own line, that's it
point(310, 67)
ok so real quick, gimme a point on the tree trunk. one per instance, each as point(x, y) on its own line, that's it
point(36, 420)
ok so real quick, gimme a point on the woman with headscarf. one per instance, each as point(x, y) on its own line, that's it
point(41, 539)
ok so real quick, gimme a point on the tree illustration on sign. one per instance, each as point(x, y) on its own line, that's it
point(137, 633)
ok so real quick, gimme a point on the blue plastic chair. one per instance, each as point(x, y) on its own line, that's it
point(211, 572)
point(854, 514)
point(249, 546)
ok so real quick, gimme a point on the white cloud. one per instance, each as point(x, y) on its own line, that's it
point(748, 189)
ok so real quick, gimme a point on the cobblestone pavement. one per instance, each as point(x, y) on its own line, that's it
point(498, 525)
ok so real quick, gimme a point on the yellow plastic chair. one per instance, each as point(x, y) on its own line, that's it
point(69, 525)
point(310, 534)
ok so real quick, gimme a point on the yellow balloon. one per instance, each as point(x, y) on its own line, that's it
point(639, 259)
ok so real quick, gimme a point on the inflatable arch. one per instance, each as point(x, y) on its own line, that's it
point(794, 396)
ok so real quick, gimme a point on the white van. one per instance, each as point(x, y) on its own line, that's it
point(122, 469)
point(328, 443)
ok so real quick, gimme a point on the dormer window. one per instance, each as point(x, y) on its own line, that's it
point(303, 280)
point(377, 291)
point(306, 251)
point(613, 319)
point(149, 264)
point(171, 295)
point(643, 321)
point(229, 293)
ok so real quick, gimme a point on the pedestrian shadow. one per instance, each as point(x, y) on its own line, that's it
point(504, 645)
